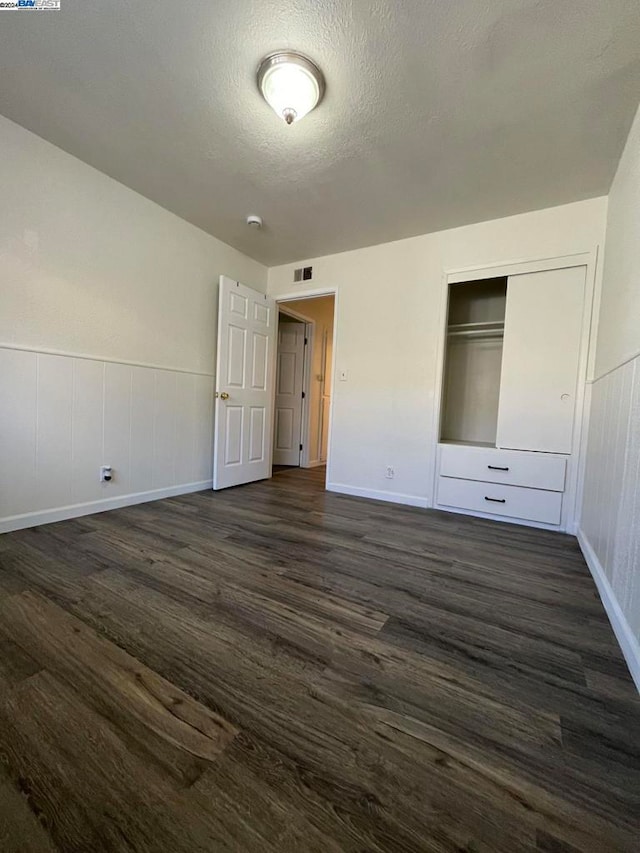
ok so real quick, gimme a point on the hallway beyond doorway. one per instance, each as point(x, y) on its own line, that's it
point(304, 381)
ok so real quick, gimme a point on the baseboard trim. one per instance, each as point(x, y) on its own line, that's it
point(48, 516)
point(372, 494)
point(317, 463)
point(626, 639)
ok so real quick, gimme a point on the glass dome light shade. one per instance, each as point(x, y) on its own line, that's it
point(291, 84)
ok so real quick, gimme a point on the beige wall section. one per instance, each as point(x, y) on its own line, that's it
point(390, 316)
point(610, 523)
point(619, 331)
point(89, 266)
point(321, 310)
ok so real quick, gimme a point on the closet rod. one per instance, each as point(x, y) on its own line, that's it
point(477, 333)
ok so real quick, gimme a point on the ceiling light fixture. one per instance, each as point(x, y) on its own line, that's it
point(291, 84)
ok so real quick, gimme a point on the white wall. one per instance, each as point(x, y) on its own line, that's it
point(610, 524)
point(90, 268)
point(390, 317)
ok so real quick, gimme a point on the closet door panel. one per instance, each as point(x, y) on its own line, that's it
point(541, 355)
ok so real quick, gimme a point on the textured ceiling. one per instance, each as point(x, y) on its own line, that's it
point(438, 113)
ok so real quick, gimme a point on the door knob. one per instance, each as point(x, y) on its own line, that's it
point(223, 396)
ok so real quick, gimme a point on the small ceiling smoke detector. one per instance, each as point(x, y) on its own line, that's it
point(292, 84)
point(254, 221)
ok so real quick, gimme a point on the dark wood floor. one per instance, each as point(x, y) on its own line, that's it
point(273, 668)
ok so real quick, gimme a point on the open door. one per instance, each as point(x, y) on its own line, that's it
point(289, 394)
point(244, 381)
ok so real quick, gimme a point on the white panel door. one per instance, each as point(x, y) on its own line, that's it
point(289, 382)
point(244, 380)
point(541, 356)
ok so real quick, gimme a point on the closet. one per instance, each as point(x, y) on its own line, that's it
point(473, 363)
point(511, 376)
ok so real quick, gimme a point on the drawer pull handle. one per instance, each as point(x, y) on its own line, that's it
point(496, 468)
point(496, 500)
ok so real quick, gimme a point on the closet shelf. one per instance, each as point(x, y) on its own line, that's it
point(492, 328)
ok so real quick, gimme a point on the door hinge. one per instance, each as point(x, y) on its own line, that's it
point(300, 447)
point(306, 341)
point(303, 395)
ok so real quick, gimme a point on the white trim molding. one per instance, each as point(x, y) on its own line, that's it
point(373, 494)
point(517, 267)
point(86, 357)
point(48, 516)
point(626, 638)
point(624, 362)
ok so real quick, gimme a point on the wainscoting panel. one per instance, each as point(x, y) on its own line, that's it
point(87, 419)
point(117, 427)
point(62, 417)
point(18, 425)
point(610, 523)
point(164, 430)
point(143, 394)
point(203, 419)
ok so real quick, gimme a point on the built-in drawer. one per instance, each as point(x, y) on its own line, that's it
point(512, 467)
point(510, 501)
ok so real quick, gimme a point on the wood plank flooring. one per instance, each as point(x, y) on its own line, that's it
point(276, 668)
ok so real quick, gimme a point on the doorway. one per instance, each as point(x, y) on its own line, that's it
point(303, 382)
point(245, 382)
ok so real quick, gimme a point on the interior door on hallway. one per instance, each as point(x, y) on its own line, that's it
point(289, 386)
point(540, 360)
point(243, 424)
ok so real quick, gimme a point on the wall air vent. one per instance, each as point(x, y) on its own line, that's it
point(303, 274)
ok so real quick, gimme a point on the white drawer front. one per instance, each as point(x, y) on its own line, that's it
point(511, 501)
point(512, 467)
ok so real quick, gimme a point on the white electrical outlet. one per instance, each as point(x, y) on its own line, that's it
point(390, 473)
point(106, 473)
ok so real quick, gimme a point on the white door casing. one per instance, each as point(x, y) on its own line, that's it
point(289, 387)
point(325, 399)
point(244, 381)
point(541, 359)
